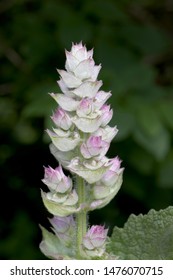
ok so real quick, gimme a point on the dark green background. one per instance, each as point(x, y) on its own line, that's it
point(133, 40)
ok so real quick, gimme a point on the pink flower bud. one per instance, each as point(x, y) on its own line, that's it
point(61, 119)
point(94, 241)
point(56, 180)
point(101, 98)
point(80, 62)
point(106, 114)
point(63, 227)
point(85, 107)
point(112, 174)
point(62, 224)
point(80, 52)
point(94, 146)
point(107, 133)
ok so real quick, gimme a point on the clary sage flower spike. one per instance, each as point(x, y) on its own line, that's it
point(81, 137)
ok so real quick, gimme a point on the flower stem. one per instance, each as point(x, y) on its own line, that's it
point(81, 217)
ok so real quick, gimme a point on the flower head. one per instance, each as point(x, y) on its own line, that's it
point(77, 54)
point(80, 140)
point(94, 241)
point(94, 146)
point(61, 119)
point(107, 114)
point(64, 228)
point(112, 174)
point(56, 180)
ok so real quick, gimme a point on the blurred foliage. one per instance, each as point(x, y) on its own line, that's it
point(133, 41)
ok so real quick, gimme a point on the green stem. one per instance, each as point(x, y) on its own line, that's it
point(81, 217)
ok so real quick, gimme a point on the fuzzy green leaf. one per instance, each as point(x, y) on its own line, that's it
point(53, 248)
point(145, 237)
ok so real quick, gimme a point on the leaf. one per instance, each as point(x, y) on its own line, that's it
point(108, 10)
point(128, 72)
point(144, 166)
point(166, 109)
point(165, 174)
point(52, 247)
point(73, 28)
point(25, 133)
point(158, 145)
point(39, 103)
point(147, 39)
point(125, 122)
point(145, 237)
point(149, 119)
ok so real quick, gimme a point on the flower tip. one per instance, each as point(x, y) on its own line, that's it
point(52, 94)
point(58, 70)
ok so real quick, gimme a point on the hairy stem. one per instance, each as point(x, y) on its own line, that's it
point(81, 217)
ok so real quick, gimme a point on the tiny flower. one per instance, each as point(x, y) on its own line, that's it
point(77, 54)
point(80, 52)
point(85, 107)
point(68, 199)
point(90, 170)
point(67, 92)
point(69, 79)
point(107, 133)
point(80, 66)
point(87, 89)
point(64, 158)
point(71, 61)
point(94, 146)
point(94, 241)
point(53, 248)
point(85, 69)
point(80, 62)
point(62, 224)
point(106, 114)
point(100, 98)
point(88, 124)
point(67, 103)
point(61, 119)
point(112, 174)
point(64, 140)
point(64, 228)
point(63, 86)
point(56, 180)
point(60, 205)
point(103, 194)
